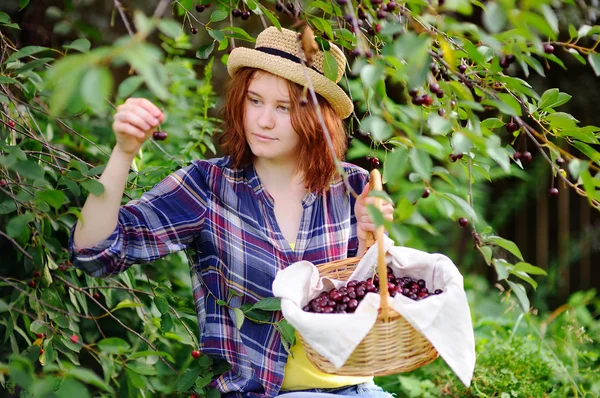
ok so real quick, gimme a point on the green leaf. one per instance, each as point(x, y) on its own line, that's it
point(96, 87)
point(395, 164)
point(53, 197)
point(572, 32)
point(492, 123)
point(521, 294)
point(500, 156)
point(129, 85)
point(530, 269)
point(135, 379)
point(462, 6)
point(8, 206)
point(287, 332)
point(525, 277)
point(29, 169)
point(272, 18)
point(141, 354)
point(170, 27)
point(161, 304)
point(127, 304)
point(17, 225)
point(507, 104)
point(38, 326)
point(147, 61)
point(4, 18)
point(81, 45)
point(216, 34)
point(218, 15)
point(142, 22)
point(421, 163)
point(268, 304)
point(88, 377)
point(487, 253)
point(371, 74)
point(65, 77)
point(239, 317)
point(114, 345)
point(380, 130)
point(70, 388)
point(205, 51)
point(438, 125)
point(506, 244)
point(25, 52)
point(551, 18)
point(588, 150)
point(501, 267)
point(461, 143)
point(238, 33)
point(462, 205)
point(166, 322)
point(594, 60)
point(494, 18)
point(94, 187)
point(23, 4)
point(330, 67)
point(187, 379)
point(561, 120)
point(553, 98)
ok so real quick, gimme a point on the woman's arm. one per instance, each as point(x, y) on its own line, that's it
point(134, 122)
point(99, 214)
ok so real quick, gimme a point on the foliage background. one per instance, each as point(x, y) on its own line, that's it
point(64, 65)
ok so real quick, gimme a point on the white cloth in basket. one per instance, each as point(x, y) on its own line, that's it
point(444, 319)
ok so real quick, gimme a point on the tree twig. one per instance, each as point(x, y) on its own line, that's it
point(123, 17)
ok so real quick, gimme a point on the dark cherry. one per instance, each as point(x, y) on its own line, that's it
point(527, 156)
point(511, 127)
point(159, 135)
point(463, 222)
point(548, 48)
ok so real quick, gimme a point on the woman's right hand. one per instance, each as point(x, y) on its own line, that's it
point(134, 122)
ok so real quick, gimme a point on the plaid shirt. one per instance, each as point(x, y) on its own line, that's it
point(228, 217)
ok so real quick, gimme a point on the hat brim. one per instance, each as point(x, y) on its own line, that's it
point(246, 57)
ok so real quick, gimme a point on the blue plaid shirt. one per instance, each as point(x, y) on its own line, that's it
point(228, 217)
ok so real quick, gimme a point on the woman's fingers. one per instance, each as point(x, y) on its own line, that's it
point(137, 117)
point(128, 129)
point(148, 106)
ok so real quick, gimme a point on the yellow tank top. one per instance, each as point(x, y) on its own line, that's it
point(301, 374)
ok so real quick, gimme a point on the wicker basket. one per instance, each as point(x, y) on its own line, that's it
point(392, 345)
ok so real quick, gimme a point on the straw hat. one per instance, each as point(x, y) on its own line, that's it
point(277, 52)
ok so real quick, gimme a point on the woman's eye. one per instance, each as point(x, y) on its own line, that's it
point(254, 101)
point(284, 108)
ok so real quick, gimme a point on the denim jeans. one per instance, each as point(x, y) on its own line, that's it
point(366, 390)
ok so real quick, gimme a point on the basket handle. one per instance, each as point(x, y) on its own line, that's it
point(375, 184)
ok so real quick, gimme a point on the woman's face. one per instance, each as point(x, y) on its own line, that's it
point(267, 121)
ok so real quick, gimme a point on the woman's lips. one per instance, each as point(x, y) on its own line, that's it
point(263, 138)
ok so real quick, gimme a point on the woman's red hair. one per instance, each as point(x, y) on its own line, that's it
point(315, 158)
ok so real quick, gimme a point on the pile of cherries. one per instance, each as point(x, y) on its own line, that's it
point(345, 299)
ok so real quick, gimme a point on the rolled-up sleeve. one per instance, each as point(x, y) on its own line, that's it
point(163, 221)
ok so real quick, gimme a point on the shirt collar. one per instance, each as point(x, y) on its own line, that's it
point(265, 196)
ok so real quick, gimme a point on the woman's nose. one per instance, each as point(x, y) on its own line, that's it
point(266, 119)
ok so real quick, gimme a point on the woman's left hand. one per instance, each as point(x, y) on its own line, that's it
point(364, 221)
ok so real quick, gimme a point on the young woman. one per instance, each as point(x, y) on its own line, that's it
point(275, 199)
